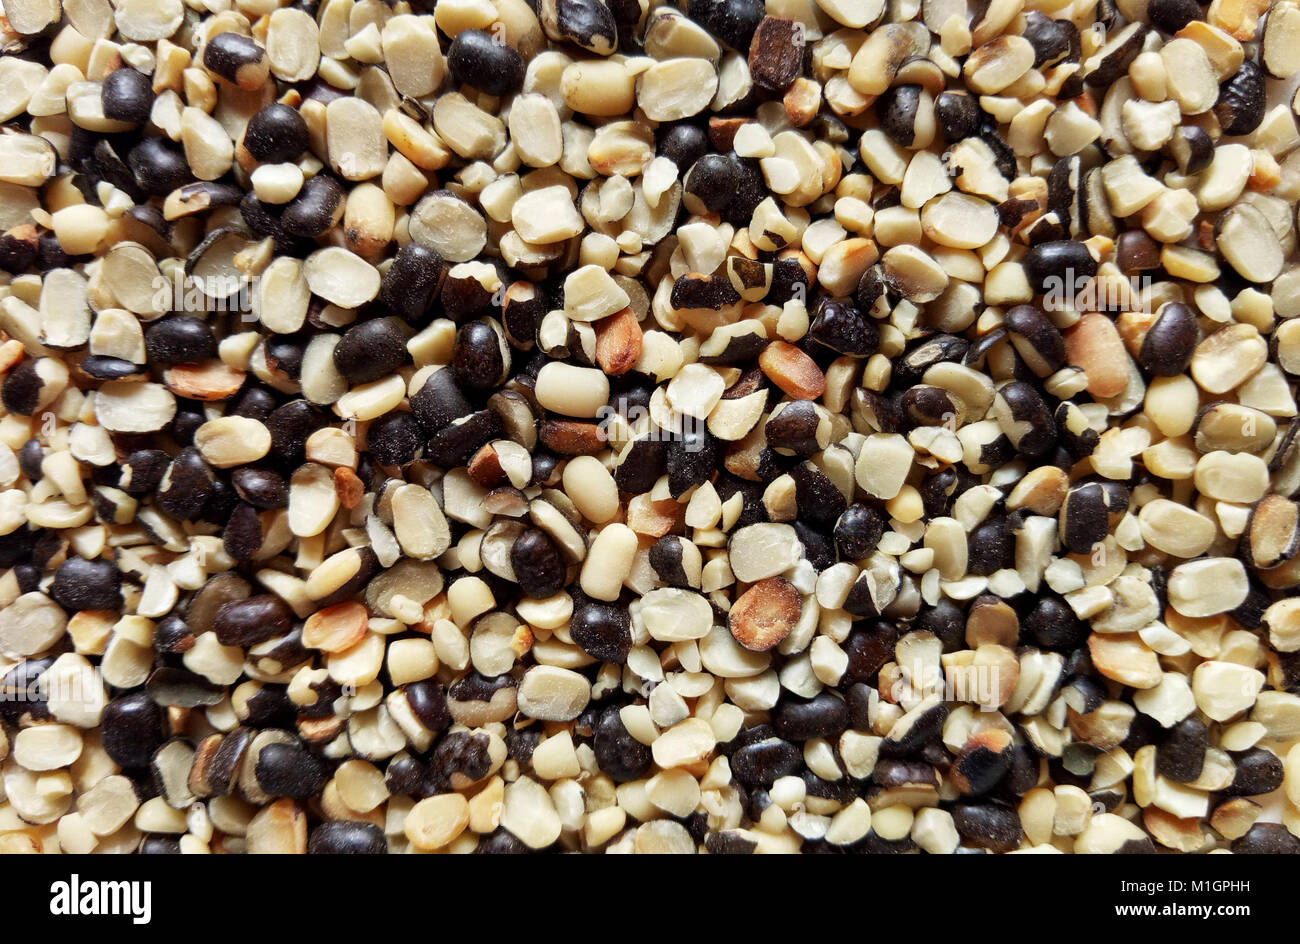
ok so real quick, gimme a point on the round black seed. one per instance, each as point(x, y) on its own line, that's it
point(988, 826)
point(1242, 99)
point(1051, 624)
point(732, 21)
point(179, 339)
point(248, 622)
point(712, 180)
point(346, 838)
point(126, 95)
point(1267, 839)
point(276, 134)
point(1172, 15)
point(81, 584)
point(478, 58)
point(1084, 517)
point(620, 756)
point(1257, 771)
point(1063, 265)
point(286, 770)
point(991, 547)
point(957, 114)
point(692, 458)
point(242, 535)
point(160, 845)
point(765, 760)
point(682, 143)
point(186, 486)
point(158, 166)
point(290, 425)
point(1167, 349)
point(143, 470)
point(132, 729)
point(822, 716)
point(1180, 755)
point(842, 328)
point(858, 531)
point(317, 207)
point(261, 488)
point(439, 402)
point(372, 350)
point(428, 702)
point(587, 23)
point(412, 282)
point(478, 361)
point(172, 637)
point(794, 429)
point(602, 630)
point(898, 108)
point(537, 564)
point(394, 439)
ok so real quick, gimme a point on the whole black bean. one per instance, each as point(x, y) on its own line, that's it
point(858, 530)
point(602, 630)
point(131, 729)
point(394, 439)
point(842, 328)
point(1084, 518)
point(823, 716)
point(261, 488)
point(1242, 99)
point(439, 402)
point(988, 826)
point(242, 536)
point(732, 21)
point(819, 500)
point(126, 95)
point(537, 563)
point(1257, 771)
point(427, 700)
point(172, 637)
point(899, 107)
point(762, 763)
point(1062, 265)
point(31, 454)
point(248, 622)
point(682, 143)
point(179, 339)
point(794, 429)
point(480, 361)
point(991, 547)
point(455, 443)
point(275, 135)
point(712, 180)
point(1180, 755)
point(317, 207)
point(1051, 624)
point(957, 114)
point(1171, 16)
point(186, 486)
point(478, 58)
point(345, 837)
point(372, 350)
point(287, 770)
point(290, 426)
point(501, 842)
point(1266, 839)
point(691, 459)
point(620, 756)
point(1169, 343)
point(412, 281)
point(924, 405)
point(158, 166)
point(81, 584)
point(160, 845)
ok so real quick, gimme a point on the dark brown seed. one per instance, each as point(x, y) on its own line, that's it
point(776, 53)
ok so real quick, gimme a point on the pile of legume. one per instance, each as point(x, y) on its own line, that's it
point(510, 425)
